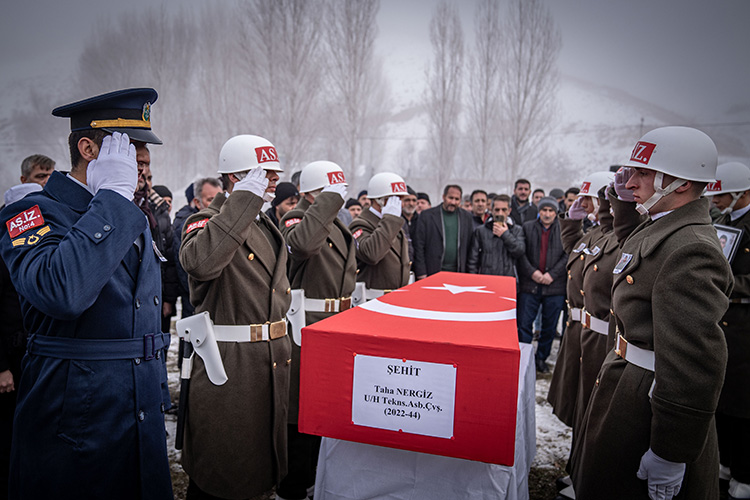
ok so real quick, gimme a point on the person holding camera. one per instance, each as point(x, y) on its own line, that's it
point(496, 244)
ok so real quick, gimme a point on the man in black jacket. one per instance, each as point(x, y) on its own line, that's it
point(496, 244)
point(522, 210)
point(541, 279)
point(443, 236)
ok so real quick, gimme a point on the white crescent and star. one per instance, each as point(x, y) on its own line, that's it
point(456, 289)
point(407, 312)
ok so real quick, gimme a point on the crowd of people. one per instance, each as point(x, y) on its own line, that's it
point(651, 308)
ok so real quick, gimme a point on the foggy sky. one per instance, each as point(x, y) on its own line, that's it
point(687, 56)
point(690, 56)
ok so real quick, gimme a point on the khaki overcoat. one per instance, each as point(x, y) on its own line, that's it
point(735, 396)
point(564, 384)
point(235, 435)
point(668, 297)
point(322, 261)
point(382, 251)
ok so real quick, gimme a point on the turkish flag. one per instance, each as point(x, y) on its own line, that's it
point(447, 329)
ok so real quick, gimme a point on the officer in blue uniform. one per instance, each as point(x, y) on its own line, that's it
point(89, 421)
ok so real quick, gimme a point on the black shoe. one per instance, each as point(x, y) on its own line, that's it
point(541, 366)
point(562, 482)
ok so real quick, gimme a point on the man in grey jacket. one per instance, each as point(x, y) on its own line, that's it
point(497, 243)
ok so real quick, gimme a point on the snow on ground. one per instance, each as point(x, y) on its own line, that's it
point(552, 436)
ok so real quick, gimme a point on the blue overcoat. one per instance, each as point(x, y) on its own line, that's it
point(89, 421)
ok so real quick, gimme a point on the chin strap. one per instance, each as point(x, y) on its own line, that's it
point(659, 193)
point(730, 208)
point(594, 216)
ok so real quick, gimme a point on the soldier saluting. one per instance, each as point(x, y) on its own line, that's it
point(322, 271)
point(648, 431)
point(382, 243)
point(93, 388)
point(235, 257)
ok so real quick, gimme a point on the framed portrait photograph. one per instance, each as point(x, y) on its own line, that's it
point(729, 237)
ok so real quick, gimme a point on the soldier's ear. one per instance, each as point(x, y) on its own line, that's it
point(88, 149)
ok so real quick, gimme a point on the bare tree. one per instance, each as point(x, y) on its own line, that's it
point(444, 89)
point(287, 71)
point(530, 50)
point(355, 80)
point(484, 89)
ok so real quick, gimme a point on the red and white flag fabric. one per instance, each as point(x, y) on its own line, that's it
point(431, 367)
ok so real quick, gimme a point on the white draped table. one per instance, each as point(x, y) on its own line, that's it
point(356, 471)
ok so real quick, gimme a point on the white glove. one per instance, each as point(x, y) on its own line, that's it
point(664, 477)
point(576, 211)
point(339, 189)
point(268, 197)
point(622, 176)
point(254, 181)
point(392, 206)
point(115, 168)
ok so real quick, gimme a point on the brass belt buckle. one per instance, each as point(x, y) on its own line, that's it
point(621, 347)
point(345, 303)
point(256, 332)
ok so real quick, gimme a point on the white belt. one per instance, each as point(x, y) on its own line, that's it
point(374, 293)
point(575, 313)
point(594, 324)
point(328, 305)
point(633, 354)
point(739, 301)
point(250, 333)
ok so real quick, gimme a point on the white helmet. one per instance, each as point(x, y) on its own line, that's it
point(386, 184)
point(682, 152)
point(243, 152)
point(592, 183)
point(319, 174)
point(731, 178)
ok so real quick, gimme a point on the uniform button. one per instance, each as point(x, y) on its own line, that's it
point(357, 271)
point(611, 312)
point(273, 290)
point(251, 256)
point(567, 323)
point(597, 382)
point(629, 279)
point(570, 277)
point(580, 359)
point(724, 323)
point(747, 250)
point(582, 293)
point(411, 262)
point(156, 300)
point(107, 227)
point(596, 268)
point(288, 362)
point(330, 245)
point(141, 416)
point(137, 361)
point(582, 257)
point(97, 235)
point(162, 407)
point(288, 291)
point(137, 303)
point(274, 365)
point(158, 354)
